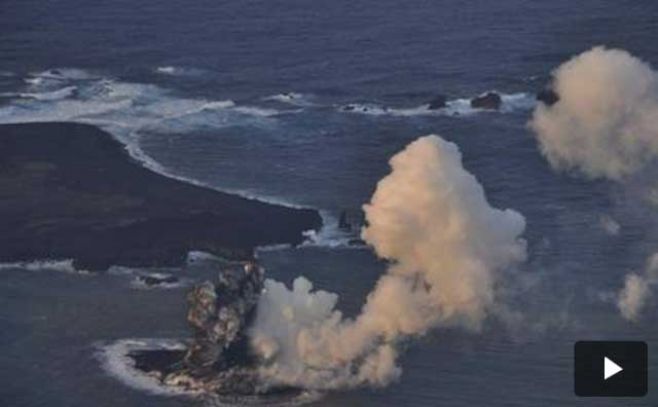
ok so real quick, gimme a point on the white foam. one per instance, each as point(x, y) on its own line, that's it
point(57, 94)
point(127, 110)
point(172, 70)
point(331, 235)
point(169, 70)
point(457, 107)
point(285, 97)
point(64, 74)
point(116, 361)
point(518, 101)
point(62, 265)
point(259, 111)
point(195, 256)
point(291, 98)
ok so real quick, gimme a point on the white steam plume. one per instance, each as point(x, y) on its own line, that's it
point(605, 123)
point(637, 290)
point(446, 246)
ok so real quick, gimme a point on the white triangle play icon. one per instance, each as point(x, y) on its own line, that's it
point(610, 368)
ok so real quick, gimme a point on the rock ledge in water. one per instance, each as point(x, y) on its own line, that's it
point(489, 100)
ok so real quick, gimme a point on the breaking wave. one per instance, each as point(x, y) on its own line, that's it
point(291, 98)
point(115, 359)
point(129, 110)
point(332, 236)
point(138, 278)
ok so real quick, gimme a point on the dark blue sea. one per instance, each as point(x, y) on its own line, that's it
point(303, 103)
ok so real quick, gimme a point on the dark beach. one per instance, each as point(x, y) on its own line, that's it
point(71, 191)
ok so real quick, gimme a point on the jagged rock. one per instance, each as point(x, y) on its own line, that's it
point(218, 314)
point(217, 360)
point(439, 102)
point(548, 96)
point(151, 281)
point(489, 100)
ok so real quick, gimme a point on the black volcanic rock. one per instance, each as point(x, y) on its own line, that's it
point(153, 280)
point(218, 359)
point(218, 314)
point(70, 191)
point(548, 96)
point(438, 102)
point(159, 362)
point(489, 100)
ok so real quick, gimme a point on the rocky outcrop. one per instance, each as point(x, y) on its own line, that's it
point(217, 359)
point(438, 102)
point(157, 280)
point(548, 96)
point(218, 314)
point(489, 100)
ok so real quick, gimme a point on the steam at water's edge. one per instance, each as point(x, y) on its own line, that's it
point(446, 246)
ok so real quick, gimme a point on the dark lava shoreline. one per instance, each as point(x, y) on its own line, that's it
point(71, 191)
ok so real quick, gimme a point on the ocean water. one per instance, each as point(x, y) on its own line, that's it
point(250, 97)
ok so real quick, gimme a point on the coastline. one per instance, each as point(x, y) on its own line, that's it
point(71, 191)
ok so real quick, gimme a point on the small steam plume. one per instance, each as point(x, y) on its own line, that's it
point(637, 290)
point(446, 248)
point(605, 123)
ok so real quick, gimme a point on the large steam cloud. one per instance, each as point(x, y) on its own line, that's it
point(446, 247)
point(605, 123)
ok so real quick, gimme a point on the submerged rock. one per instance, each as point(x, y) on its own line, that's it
point(489, 100)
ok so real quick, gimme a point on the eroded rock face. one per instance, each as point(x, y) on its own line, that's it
point(217, 360)
point(218, 314)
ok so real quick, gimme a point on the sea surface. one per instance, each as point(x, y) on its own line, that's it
point(303, 103)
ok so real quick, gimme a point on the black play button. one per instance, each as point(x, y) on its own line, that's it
point(610, 369)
